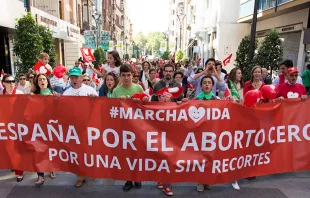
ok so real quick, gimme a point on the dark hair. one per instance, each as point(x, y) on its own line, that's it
point(125, 68)
point(178, 64)
point(6, 76)
point(106, 89)
point(168, 65)
point(116, 57)
point(207, 76)
point(199, 69)
point(36, 85)
point(31, 73)
point(178, 72)
point(232, 77)
point(153, 64)
point(20, 75)
point(147, 63)
point(308, 66)
point(210, 59)
point(287, 63)
point(152, 70)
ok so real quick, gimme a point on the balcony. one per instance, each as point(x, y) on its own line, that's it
point(247, 8)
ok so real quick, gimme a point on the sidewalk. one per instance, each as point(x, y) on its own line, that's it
point(290, 185)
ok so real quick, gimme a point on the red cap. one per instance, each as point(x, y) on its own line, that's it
point(292, 70)
point(171, 92)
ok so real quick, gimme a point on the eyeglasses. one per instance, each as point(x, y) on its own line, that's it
point(30, 77)
point(84, 80)
point(10, 81)
point(169, 71)
point(136, 76)
point(22, 78)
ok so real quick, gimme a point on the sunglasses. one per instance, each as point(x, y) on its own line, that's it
point(136, 76)
point(84, 80)
point(22, 79)
point(9, 81)
point(30, 77)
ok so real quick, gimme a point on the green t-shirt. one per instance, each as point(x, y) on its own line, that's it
point(122, 91)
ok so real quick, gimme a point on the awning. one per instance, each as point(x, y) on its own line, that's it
point(307, 36)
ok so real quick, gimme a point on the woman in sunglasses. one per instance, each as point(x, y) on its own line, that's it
point(87, 80)
point(9, 88)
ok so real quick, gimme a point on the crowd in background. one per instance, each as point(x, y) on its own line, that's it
point(125, 79)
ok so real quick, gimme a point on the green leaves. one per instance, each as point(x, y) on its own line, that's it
point(271, 51)
point(179, 55)
point(269, 54)
point(99, 55)
point(30, 40)
point(166, 55)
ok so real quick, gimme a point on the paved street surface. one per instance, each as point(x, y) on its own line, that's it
point(295, 185)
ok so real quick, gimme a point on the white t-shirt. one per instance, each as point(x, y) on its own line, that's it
point(84, 90)
point(109, 69)
point(17, 92)
point(25, 89)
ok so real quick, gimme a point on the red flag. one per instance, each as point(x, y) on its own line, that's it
point(95, 78)
point(226, 94)
point(41, 69)
point(227, 60)
point(87, 55)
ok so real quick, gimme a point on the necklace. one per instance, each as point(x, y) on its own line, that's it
point(256, 85)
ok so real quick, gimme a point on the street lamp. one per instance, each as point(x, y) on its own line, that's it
point(97, 17)
point(126, 38)
point(181, 17)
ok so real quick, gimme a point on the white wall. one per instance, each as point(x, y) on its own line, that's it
point(11, 10)
point(229, 38)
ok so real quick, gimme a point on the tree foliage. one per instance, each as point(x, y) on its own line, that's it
point(243, 60)
point(48, 44)
point(270, 52)
point(151, 42)
point(99, 56)
point(28, 42)
point(166, 55)
point(179, 55)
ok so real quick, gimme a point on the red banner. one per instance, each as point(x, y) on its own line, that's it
point(199, 141)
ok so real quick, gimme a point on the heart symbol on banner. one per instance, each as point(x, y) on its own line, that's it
point(196, 114)
point(292, 95)
point(42, 70)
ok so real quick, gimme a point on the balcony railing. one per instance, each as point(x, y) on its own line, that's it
point(247, 7)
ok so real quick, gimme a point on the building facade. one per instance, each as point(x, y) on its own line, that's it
point(216, 29)
point(291, 18)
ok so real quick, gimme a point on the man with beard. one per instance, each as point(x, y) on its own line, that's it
point(168, 82)
point(79, 89)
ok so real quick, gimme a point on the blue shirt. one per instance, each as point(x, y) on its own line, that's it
point(221, 86)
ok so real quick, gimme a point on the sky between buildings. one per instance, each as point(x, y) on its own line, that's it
point(149, 15)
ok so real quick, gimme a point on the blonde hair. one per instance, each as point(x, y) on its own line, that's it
point(44, 55)
point(86, 75)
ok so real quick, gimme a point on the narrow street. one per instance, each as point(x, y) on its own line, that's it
point(291, 185)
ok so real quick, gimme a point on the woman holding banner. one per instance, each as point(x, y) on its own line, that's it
point(9, 88)
point(236, 84)
point(207, 84)
point(255, 82)
point(43, 87)
point(109, 84)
